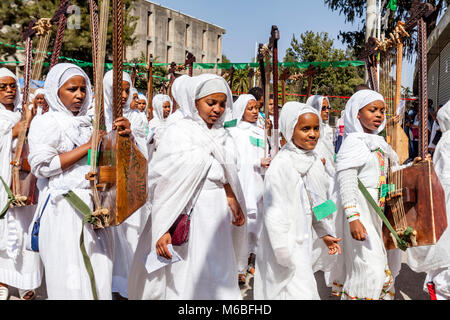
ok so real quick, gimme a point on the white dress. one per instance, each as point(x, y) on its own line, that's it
point(366, 274)
point(249, 141)
point(60, 226)
point(288, 226)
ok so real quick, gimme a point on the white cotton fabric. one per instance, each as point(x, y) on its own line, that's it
point(179, 95)
point(362, 271)
point(158, 124)
point(435, 259)
point(126, 234)
point(19, 268)
point(325, 146)
point(193, 162)
point(285, 261)
point(52, 134)
point(250, 172)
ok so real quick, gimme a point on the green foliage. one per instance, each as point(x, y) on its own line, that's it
point(329, 81)
point(15, 16)
point(353, 10)
point(141, 79)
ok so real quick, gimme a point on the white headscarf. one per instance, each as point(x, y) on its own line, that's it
point(316, 102)
point(77, 128)
point(56, 78)
point(240, 105)
point(350, 155)
point(4, 72)
point(183, 160)
point(108, 97)
point(157, 103)
point(441, 155)
point(142, 97)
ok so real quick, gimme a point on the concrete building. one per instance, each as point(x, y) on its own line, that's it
point(438, 61)
point(169, 34)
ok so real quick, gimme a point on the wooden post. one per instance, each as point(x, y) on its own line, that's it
point(150, 88)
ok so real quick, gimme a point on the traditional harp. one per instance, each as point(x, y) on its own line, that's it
point(265, 70)
point(120, 180)
point(150, 87)
point(416, 201)
point(23, 184)
point(395, 135)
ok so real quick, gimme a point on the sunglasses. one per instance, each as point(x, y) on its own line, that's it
point(326, 108)
point(3, 86)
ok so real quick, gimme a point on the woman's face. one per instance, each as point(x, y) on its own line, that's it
point(73, 93)
point(251, 112)
point(134, 102)
point(125, 92)
point(142, 104)
point(372, 116)
point(211, 108)
point(306, 131)
point(325, 112)
point(40, 100)
point(8, 89)
point(166, 109)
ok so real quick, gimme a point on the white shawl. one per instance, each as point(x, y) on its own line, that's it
point(358, 145)
point(8, 120)
point(288, 211)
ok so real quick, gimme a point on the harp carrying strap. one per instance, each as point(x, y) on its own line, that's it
point(88, 216)
point(11, 199)
point(402, 244)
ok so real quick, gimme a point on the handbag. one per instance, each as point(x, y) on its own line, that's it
point(35, 231)
point(180, 229)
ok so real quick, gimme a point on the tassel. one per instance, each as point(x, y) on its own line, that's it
point(431, 290)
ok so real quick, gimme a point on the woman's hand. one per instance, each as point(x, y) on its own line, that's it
point(265, 162)
point(123, 126)
point(268, 127)
point(238, 215)
point(418, 159)
point(324, 162)
point(358, 230)
point(161, 246)
point(332, 244)
point(19, 126)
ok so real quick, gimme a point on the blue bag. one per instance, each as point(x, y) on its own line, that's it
point(35, 231)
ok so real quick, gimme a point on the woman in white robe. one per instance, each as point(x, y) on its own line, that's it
point(249, 140)
point(19, 267)
point(364, 270)
point(162, 109)
point(294, 183)
point(325, 147)
point(194, 167)
point(59, 142)
point(126, 234)
point(435, 259)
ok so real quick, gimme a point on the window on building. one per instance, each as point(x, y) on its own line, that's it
point(149, 24)
point(186, 36)
point(203, 58)
point(169, 27)
point(219, 44)
point(204, 40)
point(169, 54)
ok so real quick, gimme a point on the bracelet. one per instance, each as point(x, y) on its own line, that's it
point(349, 207)
point(353, 215)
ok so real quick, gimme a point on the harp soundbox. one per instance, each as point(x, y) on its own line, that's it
point(415, 198)
point(119, 180)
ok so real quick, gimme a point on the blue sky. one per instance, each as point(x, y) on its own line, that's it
point(249, 21)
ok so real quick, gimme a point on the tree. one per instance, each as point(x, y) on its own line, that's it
point(355, 10)
point(15, 16)
point(329, 81)
point(141, 79)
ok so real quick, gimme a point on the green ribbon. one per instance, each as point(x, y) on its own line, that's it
point(257, 142)
point(324, 210)
point(11, 198)
point(402, 244)
point(230, 124)
point(393, 5)
point(88, 216)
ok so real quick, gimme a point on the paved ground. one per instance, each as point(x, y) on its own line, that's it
point(408, 286)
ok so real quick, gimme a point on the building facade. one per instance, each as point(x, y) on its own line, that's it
point(438, 62)
point(168, 35)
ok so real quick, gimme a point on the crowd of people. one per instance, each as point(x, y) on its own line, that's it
point(214, 174)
